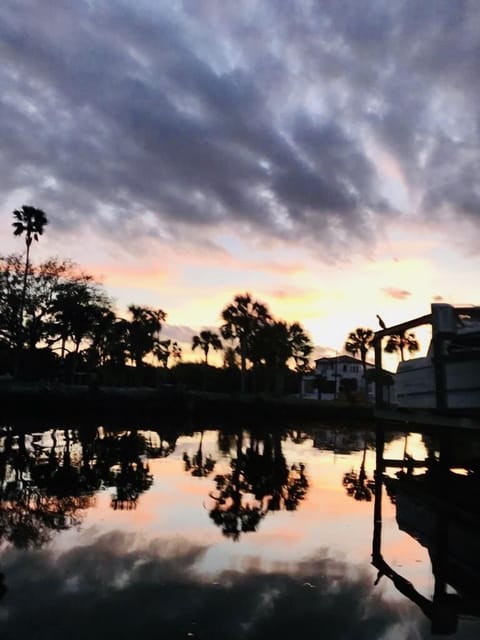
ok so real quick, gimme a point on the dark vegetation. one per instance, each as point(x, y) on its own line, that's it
point(60, 332)
point(49, 479)
point(58, 326)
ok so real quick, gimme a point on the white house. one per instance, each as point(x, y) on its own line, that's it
point(338, 376)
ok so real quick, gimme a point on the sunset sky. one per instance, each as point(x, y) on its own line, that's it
point(322, 155)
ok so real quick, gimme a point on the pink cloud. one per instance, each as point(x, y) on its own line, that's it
point(397, 294)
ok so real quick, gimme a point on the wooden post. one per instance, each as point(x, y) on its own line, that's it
point(378, 372)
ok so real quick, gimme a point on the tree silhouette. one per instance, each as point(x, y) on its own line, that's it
point(274, 345)
point(230, 358)
point(242, 319)
point(122, 465)
point(104, 339)
point(76, 310)
point(357, 484)
point(62, 308)
point(166, 349)
point(259, 481)
point(360, 341)
point(205, 341)
point(199, 465)
point(11, 283)
point(39, 496)
point(400, 342)
point(143, 331)
point(31, 222)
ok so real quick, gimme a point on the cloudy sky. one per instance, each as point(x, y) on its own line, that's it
point(322, 155)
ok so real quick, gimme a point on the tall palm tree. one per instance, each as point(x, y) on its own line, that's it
point(31, 222)
point(360, 341)
point(143, 330)
point(274, 345)
point(242, 319)
point(206, 340)
point(400, 342)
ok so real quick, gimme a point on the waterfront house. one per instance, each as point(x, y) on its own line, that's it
point(341, 376)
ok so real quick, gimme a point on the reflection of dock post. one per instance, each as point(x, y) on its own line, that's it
point(445, 605)
point(377, 507)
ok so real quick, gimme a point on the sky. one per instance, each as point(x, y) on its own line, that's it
point(323, 156)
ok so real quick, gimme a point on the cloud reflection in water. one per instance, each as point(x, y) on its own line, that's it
point(117, 586)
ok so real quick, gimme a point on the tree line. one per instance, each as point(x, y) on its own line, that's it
point(57, 320)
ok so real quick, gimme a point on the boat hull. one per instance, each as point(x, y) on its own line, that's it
point(415, 384)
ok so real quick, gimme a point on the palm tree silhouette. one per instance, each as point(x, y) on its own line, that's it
point(206, 340)
point(242, 319)
point(30, 221)
point(400, 342)
point(357, 484)
point(360, 341)
point(259, 482)
point(143, 331)
point(199, 465)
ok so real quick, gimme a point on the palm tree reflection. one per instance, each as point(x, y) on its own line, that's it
point(39, 493)
point(198, 464)
point(49, 480)
point(123, 465)
point(358, 485)
point(259, 481)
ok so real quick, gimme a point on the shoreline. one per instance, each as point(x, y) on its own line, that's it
point(22, 403)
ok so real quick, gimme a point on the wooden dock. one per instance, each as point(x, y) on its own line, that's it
point(431, 419)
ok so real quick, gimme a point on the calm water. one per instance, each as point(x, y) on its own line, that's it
point(242, 534)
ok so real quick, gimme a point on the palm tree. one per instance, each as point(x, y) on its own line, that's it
point(205, 340)
point(143, 331)
point(274, 345)
point(164, 349)
point(400, 342)
point(242, 319)
point(30, 221)
point(300, 345)
point(360, 341)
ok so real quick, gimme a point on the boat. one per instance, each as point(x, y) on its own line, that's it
point(452, 362)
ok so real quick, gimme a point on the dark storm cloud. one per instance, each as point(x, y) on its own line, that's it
point(115, 587)
point(257, 115)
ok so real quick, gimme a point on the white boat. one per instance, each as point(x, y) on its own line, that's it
point(459, 330)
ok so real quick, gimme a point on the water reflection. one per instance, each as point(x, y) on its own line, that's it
point(107, 533)
point(115, 587)
point(198, 464)
point(39, 492)
point(357, 484)
point(437, 503)
point(48, 480)
point(258, 481)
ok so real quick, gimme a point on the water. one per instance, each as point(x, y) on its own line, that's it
point(241, 534)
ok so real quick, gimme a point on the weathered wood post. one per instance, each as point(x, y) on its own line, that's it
point(377, 343)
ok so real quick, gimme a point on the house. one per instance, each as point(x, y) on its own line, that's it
point(341, 376)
